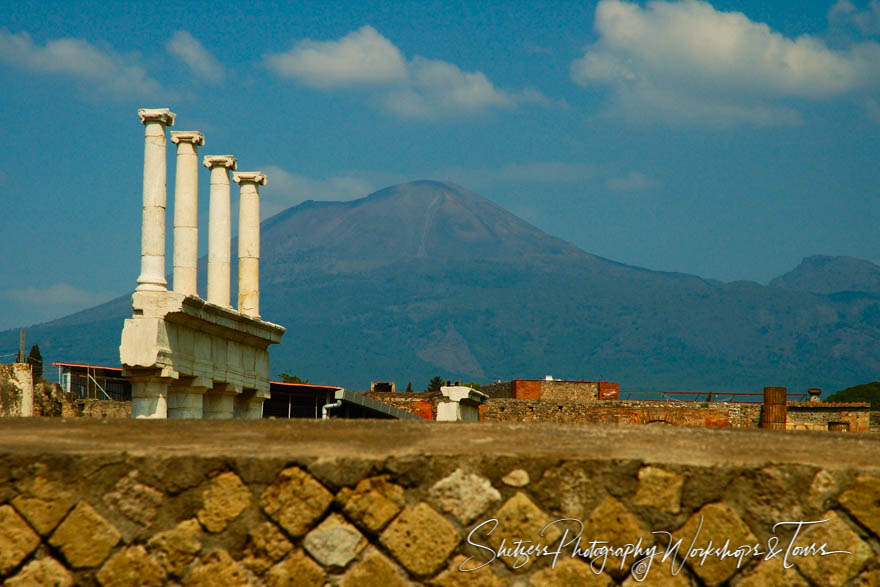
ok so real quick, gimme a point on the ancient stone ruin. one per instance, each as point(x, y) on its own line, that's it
point(188, 357)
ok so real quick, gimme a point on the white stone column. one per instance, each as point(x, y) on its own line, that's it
point(149, 397)
point(152, 277)
point(186, 211)
point(249, 241)
point(219, 229)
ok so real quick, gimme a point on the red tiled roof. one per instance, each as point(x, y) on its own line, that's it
point(58, 364)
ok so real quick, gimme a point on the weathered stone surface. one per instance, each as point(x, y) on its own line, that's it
point(464, 495)
point(295, 501)
point(453, 577)
point(136, 501)
point(520, 519)
point(835, 569)
point(84, 537)
point(571, 490)
point(131, 566)
point(822, 487)
point(44, 572)
point(516, 478)
point(17, 539)
point(266, 546)
point(372, 503)
point(420, 539)
point(772, 572)
point(217, 568)
point(335, 542)
point(763, 497)
point(373, 570)
point(569, 572)
point(862, 500)
point(43, 503)
point(225, 498)
point(719, 523)
point(868, 579)
point(612, 522)
point(661, 576)
point(659, 489)
point(297, 570)
point(338, 472)
point(177, 548)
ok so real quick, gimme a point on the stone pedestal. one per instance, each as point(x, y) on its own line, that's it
point(220, 402)
point(149, 397)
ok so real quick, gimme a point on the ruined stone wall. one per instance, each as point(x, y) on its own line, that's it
point(712, 414)
point(875, 421)
point(234, 503)
point(803, 416)
point(585, 391)
point(503, 389)
point(16, 390)
point(421, 404)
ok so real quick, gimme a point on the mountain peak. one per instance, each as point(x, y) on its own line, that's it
point(420, 219)
point(823, 274)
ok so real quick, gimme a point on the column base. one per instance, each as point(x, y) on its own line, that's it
point(219, 402)
point(248, 406)
point(187, 402)
point(149, 398)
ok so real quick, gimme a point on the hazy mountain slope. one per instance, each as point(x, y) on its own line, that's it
point(827, 275)
point(429, 278)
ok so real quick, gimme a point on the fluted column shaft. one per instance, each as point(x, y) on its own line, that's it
point(249, 242)
point(152, 277)
point(186, 211)
point(219, 229)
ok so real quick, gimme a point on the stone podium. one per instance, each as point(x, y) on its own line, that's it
point(187, 357)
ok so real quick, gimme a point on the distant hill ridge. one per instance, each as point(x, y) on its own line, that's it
point(429, 278)
point(827, 275)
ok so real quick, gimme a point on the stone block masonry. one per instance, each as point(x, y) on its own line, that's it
point(678, 413)
point(347, 503)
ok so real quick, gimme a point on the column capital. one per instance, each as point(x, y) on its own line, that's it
point(257, 177)
point(187, 136)
point(163, 115)
point(227, 161)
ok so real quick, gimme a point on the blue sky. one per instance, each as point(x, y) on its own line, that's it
point(726, 139)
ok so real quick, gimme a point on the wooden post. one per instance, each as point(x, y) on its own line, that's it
point(21, 358)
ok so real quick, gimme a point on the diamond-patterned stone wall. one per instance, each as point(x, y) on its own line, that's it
point(449, 520)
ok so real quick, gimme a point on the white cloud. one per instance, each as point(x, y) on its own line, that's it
point(418, 88)
point(634, 181)
point(105, 69)
point(441, 88)
point(189, 50)
point(686, 62)
point(363, 57)
point(845, 13)
point(287, 188)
